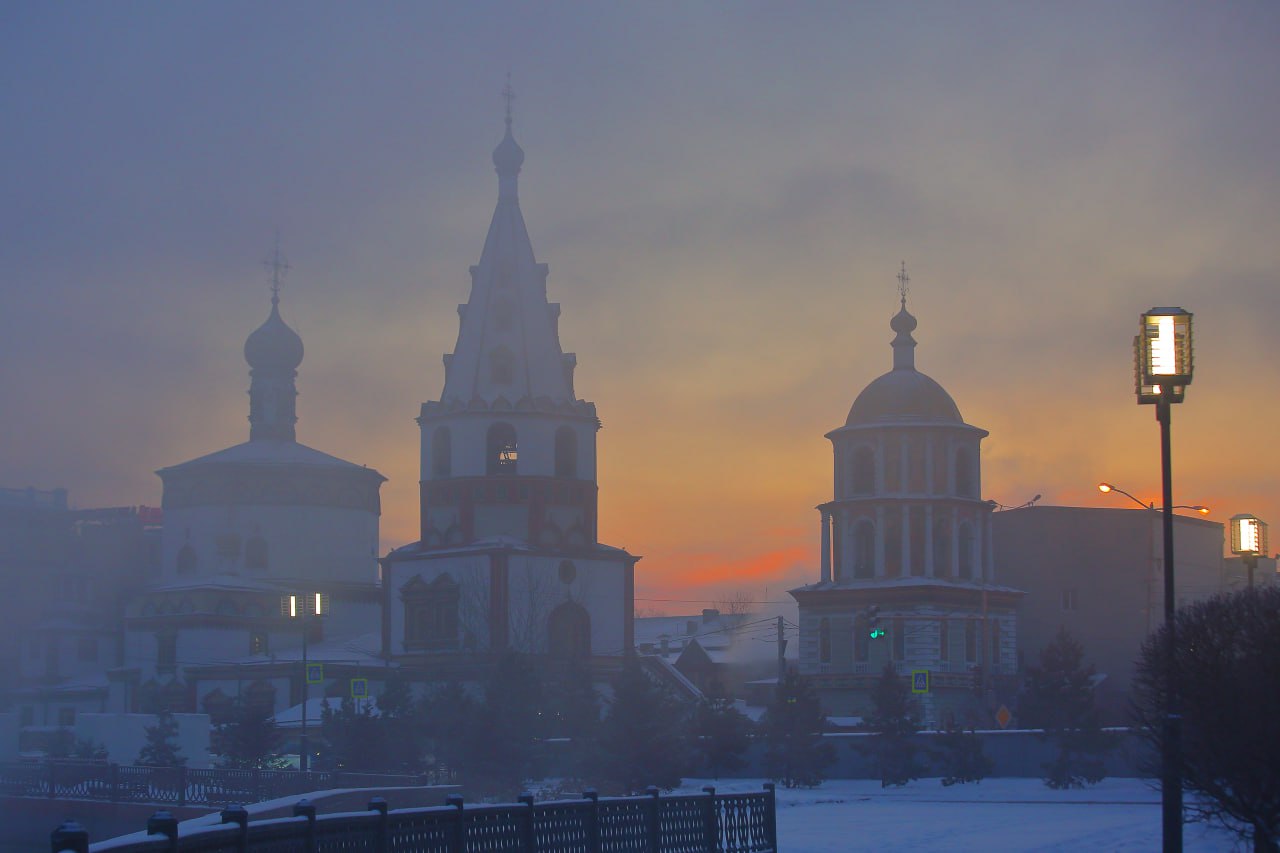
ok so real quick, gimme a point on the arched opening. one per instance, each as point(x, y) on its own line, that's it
point(824, 640)
point(893, 547)
point(965, 548)
point(864, 549)
point(569, 632)
point(966, 477)
point(566, 452)
point(430, 613)
point(441, 453)
point(187, 559)
point(502, 366)
point(256, 553)
point(864, 471)
point(501, 450)
point(941, 544)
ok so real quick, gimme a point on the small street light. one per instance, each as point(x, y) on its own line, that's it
point(1107, 488)
point(1163, 364)
point(299, 607)
point(1248, 540)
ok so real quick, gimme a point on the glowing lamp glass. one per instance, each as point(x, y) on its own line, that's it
point(1248, 535)
point(1163, 354)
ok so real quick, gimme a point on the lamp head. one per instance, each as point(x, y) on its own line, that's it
point(1162, 354)
point(1248, 535)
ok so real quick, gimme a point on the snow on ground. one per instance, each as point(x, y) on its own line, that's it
point(847, 815)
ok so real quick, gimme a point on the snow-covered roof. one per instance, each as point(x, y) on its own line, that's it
point(905, 582)
point(271, 452)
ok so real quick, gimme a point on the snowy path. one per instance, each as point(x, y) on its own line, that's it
point(995, 816)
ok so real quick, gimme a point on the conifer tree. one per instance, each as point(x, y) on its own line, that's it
point(796, 753)
point(354, 738)
point(722, 734)
point(644, 739)
point(961, 757)
point(249, 739)
point(161, 748)
point(1059, 699)
point(895, 718)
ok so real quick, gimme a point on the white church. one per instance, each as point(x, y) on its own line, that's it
point(508, 558)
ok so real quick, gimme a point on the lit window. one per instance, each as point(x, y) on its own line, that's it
point(502, 450)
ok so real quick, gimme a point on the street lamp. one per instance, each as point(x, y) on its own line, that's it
point(299, 607)
point(1163, 365)
point(1107, 488)
point(1248, 540)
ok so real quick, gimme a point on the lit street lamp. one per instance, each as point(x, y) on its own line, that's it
point(1248, 540)
point(1162, 371)
point(1107, 488)
point(299, 607)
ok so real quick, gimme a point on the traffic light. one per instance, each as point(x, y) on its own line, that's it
point(873, 622)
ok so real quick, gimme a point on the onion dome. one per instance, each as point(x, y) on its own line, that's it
point(508, 157)
point(273, 345)
point(904, 394)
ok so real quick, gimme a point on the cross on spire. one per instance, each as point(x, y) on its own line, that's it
point(508, 95)
point(279, 267)
point(903, 280)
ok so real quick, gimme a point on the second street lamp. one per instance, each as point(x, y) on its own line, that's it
point(1248, 540)
point(1163, 366)
point(304, 609)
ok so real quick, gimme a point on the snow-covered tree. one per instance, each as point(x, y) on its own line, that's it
point(161, 747)
point(796, 753)
point(249, 738)
point(895, 718)
point(644, 739)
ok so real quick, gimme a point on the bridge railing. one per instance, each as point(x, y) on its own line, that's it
point(698, 823)
point(181, 786)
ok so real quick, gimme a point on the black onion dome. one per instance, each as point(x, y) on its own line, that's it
point(903, 396)
point(274, 344)
point(508, 157)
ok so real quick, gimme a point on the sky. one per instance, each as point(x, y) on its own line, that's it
point(724, 194)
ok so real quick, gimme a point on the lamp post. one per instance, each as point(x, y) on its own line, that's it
point(1162, 371)
point(1108, 488)
point(299, 607)
point(1248, 540)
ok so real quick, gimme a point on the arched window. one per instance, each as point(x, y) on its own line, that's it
point(864, 471)
point(915, 465)
point(893, 547)
point(501, 451)
point(566, 452)
point(569, 631)
point(187, 559)
point(502, 366)
point(966, 477)
point(965, 547)
point(892, 465)
point(941, 544)
point(430, 613)
point(861, 639)
point(864, 549)
point(916, 520)
point(441, 453)
point(824, 640)
point(256, 553)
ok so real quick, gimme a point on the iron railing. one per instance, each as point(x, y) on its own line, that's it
point(699, 823)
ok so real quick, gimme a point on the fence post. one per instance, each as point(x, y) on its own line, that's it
point(527, 836)
point(711, 818)
point(379, 805)
point(655, 826)
point(306, 808)
point(113, 777)
point(182, 785)
point(164, 823)
point(257, 785)
point(771, 816)
point(53, 782)
point(458, 843)
point(70, 837)
point(593, 820)
point(238, 814)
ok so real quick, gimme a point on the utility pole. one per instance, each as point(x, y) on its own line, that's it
point(782, 651)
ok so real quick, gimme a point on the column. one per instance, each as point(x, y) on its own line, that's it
point(826, 546)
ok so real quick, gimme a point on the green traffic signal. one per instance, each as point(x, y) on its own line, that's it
point(877, 632)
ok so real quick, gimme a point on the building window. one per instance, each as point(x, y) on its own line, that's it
point(569, 631)
point(893, 545)
point(965, 546)
point(864, 550)
point(1069, 599)
point(502, 366)
point(915, 465)
point(566, 452)
point(995, 642)
point(966, 477)
point(944, 640)
point(899, 639)
point(258, 643)
point(864, 471)
point(824, 640)
point(166, 652)
point(87, 649)
point(502, 450)
point(186, 559)
point(430, 613)
point(892, 466)
point(66, 717)
point(27, 716)
point(941, 544)
point(861, 639)
point(256, 555)
point(970, 640)
point(916, 520)
point(568, 572)
point(441, 453)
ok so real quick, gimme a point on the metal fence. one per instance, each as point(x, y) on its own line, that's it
point(705, 823)
point(180, 786)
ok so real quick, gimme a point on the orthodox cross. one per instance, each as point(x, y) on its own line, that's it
point(279, 267)
point(903, 279)
point(508, 95)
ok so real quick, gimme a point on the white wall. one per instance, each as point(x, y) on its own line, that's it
point(124, 735)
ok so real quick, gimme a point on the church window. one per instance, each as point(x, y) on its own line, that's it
point(228, 547)
point(227, 607)
point(187, 559)
point(441, 453)
point(864, 550)
point(566, 452)
point(944, 640)
point(824, 640)
point(899, 639)
point(569, 631)
point(995, 642)
point(87, 649)
point(941, 544)
point(502, 451)
point(864, 471)
point(892, 466)
point(915, 465)
point(916, 520)
point(258, 643)
point(256, 554)
point(166, 652)
point(965, 546)
point(66, 717)
point(893, 547)
point(568, 572)
point(502, 366)
point(861, 639)
point(503, 316)
point(28, 716)
point(966, 478)
point(971, 640)
point(430, 613)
